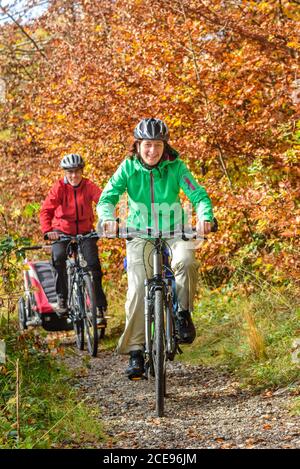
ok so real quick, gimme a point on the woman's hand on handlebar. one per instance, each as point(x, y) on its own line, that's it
point(110, 228)
point(203, 227)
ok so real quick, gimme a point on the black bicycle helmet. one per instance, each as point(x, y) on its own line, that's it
point(151, 129)
point(72, 161)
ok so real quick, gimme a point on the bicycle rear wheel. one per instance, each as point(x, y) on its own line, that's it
point(90, 315)
point(159, 354)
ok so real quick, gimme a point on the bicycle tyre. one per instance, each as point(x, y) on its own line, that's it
point(169, 339)
point(170, 331)
point(90, 315)
point(79, 333)
point(160, 357)
point(149, 364)
point(77, 320)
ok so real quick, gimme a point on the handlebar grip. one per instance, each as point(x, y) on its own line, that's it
point(215, 225)
point(46, 235)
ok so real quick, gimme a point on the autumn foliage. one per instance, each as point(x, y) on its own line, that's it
point(222, 74)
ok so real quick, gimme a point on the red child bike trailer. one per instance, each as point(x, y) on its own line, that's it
point(36, 306)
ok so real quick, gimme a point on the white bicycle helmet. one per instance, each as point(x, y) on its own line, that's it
point(72, 161)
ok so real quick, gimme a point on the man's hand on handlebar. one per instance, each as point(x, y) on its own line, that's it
point(110, 228)
point(52, 235)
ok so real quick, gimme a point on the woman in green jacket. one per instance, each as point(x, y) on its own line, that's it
point(153, 177)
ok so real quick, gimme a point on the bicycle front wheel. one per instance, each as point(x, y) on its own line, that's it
point(90, 315)
point(77, 320)
point(159, 353)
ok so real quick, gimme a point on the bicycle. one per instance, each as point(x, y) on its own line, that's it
point(82, 310)
point(161, 338)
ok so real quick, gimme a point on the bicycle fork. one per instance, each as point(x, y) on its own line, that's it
point(169, 325)
point(169, 319)
point(147, 312)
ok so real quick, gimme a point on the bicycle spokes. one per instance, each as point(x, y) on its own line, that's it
point(90, 316)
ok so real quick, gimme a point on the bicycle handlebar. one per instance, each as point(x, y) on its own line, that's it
point(159, 235)
point(77, 238)
point(129, 234)
point(181, 232)
point(63, 237)
point(32, 248)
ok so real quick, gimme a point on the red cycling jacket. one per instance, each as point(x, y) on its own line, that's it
point(68, 208)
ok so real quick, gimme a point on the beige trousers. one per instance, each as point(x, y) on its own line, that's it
point(184, 266)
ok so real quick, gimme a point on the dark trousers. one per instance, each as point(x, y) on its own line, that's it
point(90, 253)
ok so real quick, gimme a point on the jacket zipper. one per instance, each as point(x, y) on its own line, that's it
point(152, 201)
point(77, 220)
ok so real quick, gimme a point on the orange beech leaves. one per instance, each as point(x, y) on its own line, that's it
point(222, 74)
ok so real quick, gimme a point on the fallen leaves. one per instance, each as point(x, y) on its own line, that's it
point(267, 426)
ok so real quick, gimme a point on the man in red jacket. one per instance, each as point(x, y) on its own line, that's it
point(68, 210)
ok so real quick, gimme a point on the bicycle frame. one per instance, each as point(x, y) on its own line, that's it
point(75, 270)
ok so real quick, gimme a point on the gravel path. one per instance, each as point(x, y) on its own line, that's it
point(205, 408)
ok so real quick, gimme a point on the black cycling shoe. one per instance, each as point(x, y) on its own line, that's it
point(101, 319)
point(101, 322)
point(185, 327)
point(136, 368)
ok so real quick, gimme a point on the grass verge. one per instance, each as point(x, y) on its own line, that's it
point(254, 336)
point(44, 411)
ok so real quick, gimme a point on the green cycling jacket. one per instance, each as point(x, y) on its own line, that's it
point(153, 195)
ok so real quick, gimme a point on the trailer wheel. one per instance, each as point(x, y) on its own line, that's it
point(22, 314)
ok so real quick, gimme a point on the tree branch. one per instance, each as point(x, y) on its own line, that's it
point(23, 31)
point(209, 15)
